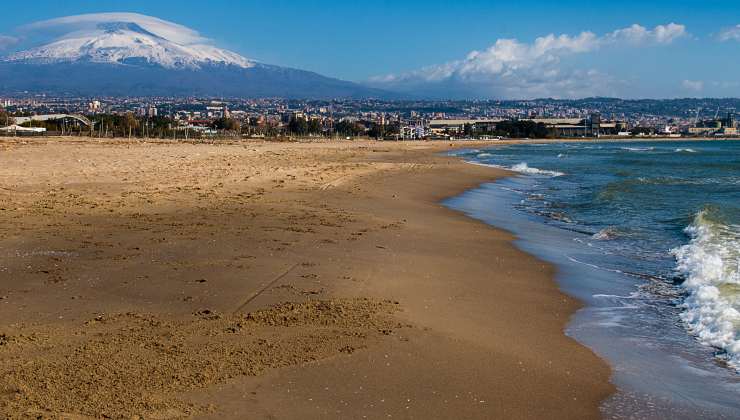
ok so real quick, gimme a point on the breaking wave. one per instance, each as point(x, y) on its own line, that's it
point(638, 149)
point(526, 169)
point(606, 234)
point(709, 262)
point(522, 168)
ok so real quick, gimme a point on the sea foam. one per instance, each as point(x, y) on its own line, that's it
point(710, 263)
point(638, 149)
point(526, 169)
point(522, 168)
point(606, 234)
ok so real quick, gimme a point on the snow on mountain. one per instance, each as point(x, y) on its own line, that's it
point(123, 38)
point(128, 54)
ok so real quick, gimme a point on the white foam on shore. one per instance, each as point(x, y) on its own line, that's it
point(598, 267)
point(710, 264)
point(606, 234)
point(526, 169)
point(522, 168)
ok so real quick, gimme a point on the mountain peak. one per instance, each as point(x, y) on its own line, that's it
point(128, 39)
point(120, 27)
point(129, 54)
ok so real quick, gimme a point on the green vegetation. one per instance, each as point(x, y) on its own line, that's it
point(647, 131)
point(349, 128)
point(228, 124)
point(301, 127)
point(6, 119)
point(379, 131)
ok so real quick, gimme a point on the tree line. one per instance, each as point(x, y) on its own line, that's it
point(131, 125)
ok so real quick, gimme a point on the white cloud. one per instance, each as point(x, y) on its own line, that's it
point(693, 85)
point(637, 34)
point(162, 28)
point(730, 34)
point(7, 41)
point(505, 57)
point(516, 69)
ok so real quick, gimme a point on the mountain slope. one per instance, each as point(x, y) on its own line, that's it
point(95, 79)
point(126, 54)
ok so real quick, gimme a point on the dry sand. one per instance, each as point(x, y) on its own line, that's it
point(271, 280)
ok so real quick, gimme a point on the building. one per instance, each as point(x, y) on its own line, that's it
point(412, 132)
point(564, 127)
point(457, 127)
point(719, 127)
point(593, 126)
point(94, 106)
point(17, 129)
point(727, 131)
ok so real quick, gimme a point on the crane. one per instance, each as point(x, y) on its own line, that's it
point(696, 120)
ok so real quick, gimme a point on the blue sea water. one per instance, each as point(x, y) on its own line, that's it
point(647, 234)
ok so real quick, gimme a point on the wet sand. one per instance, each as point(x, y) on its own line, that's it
point(271, 280)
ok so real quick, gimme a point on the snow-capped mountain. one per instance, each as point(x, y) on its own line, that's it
point(128, 42)
point(110, 54)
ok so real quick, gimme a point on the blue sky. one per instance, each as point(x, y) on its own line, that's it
point(360, 41)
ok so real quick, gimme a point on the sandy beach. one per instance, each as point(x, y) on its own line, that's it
point(271, 280)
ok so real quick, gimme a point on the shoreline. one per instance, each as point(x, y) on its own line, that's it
point(489, 343)
point(659, 367)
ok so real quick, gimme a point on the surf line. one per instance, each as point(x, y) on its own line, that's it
point(258, 293)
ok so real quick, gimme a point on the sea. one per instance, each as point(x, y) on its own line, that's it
point(647, 235)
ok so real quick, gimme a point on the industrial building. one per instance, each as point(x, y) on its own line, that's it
point(715, 127)
point(455, 127)
point(592, 126)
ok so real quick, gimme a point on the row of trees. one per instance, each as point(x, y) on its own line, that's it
point(344, 128)
point(130, 125)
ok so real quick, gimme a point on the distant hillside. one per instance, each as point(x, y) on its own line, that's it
point(95, 79)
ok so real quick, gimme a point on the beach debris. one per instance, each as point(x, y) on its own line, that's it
point(207, 314)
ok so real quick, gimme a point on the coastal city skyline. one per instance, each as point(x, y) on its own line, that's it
point(439, 50)
point(122, 74)
point(173, 117)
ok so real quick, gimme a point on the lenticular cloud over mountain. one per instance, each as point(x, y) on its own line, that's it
point(125, 54)
point(122, 38)
point(168, 30)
